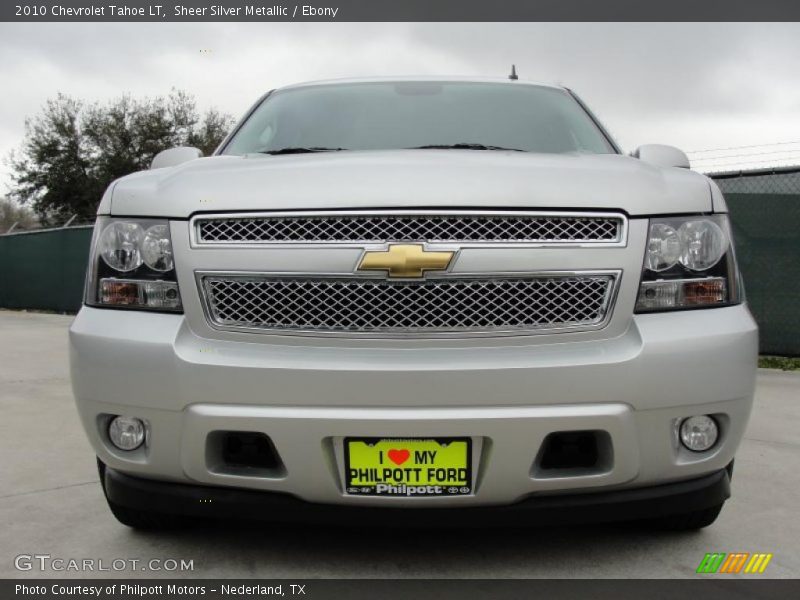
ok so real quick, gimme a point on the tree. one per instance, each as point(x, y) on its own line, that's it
point(73, 150)
point(12, 214)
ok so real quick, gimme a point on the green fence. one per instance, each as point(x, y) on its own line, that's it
point(45, 270)
point(765, 212)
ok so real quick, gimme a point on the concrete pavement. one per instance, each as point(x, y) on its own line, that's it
point(51, 503)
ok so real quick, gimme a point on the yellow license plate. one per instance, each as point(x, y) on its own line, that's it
point(408, 467)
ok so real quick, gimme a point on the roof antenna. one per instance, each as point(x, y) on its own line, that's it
point(513, 76)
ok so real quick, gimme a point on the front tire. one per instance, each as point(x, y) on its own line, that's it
point(146, 520)
point(143, 520)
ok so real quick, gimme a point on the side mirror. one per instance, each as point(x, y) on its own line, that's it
point(662, 156)
point(175, 156)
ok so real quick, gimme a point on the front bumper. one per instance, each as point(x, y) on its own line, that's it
point(508, 395)
point(215, 502)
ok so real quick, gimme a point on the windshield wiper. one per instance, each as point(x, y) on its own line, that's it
point(464, 146)
point(301, 150)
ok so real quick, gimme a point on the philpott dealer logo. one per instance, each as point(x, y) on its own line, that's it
point(735, 562)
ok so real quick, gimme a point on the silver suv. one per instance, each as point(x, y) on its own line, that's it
point(415, 298)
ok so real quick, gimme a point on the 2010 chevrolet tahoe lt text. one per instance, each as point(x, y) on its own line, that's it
point(448, 298)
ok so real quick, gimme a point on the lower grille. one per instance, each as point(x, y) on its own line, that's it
point(397, 307)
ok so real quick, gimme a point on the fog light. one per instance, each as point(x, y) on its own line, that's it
point(126, 433)
point(699, 433)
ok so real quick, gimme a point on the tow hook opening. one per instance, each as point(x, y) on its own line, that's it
point(574, 454)
point(244, 453)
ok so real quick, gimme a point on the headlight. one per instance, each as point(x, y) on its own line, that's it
point(132, 265)
point(120, 246)
point(689, 263)
point(663, 247)
point(702, 244)
point(157, 248)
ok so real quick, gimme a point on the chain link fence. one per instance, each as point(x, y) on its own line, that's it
point(785, 182)
point(765, 213)
point(29, 223)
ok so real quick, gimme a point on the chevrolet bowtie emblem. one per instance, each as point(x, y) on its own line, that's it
point(405, 260)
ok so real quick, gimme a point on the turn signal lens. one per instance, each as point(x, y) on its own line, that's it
point(683, 293)
point(161, 294)
point(119, 292)
point(696, 293)
point(143, 294)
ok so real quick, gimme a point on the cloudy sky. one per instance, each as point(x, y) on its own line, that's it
point(696, 86)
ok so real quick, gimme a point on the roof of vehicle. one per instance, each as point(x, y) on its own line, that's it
point(464, 79)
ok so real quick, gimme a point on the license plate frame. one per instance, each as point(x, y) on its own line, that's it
point(409, 486)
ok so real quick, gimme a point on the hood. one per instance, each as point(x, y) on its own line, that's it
point(409, 179)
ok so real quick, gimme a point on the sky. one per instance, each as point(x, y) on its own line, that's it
point(697, 86)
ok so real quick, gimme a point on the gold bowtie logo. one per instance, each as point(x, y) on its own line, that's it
point(405, 260)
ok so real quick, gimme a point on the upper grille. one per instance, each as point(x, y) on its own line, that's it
point(383, 306)
point(395, 227)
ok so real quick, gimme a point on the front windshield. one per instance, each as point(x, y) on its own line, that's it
point(391, 115)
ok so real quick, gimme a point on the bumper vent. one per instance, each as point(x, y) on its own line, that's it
point(574, 454)
point(243, 453)
point(397, 307)
point(467, 227)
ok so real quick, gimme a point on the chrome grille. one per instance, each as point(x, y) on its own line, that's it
point(505, 304)
point(401, 227)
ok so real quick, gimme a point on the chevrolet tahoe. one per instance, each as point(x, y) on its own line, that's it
point(453, 298)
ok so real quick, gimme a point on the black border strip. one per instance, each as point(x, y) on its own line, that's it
point(707, 587)
point(409, 11)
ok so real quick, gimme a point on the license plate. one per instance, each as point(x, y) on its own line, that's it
point(408, 467)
